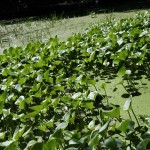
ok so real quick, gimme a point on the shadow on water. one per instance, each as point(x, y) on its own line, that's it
point(75, 9)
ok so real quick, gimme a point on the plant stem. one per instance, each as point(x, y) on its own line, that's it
point(129, 115)
point(125, 88)
point(95, 88)
point(135, 117)
point(106, 96)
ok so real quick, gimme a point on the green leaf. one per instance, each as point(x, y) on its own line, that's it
point(21, 102)
point(31, 143)
point(120, 41)
point(36, 108)
point(18, 87)
point(2, 135)
point(27, 132)
point(36, 87)
point(66, 117)
point(103, 86)
point(59, 88)
point(38, 94)
point(88, 105)
point(66, 98)
point(58, 134)
point(115, 112)
point(51, 144)
point(92, 56)
point(55, 102)
point(12, 146)
point(6, 143)
point(116, 61)
point(39, 78)
point(62, 125)
point(113, 143)
point(92, 95)
point(93, 82)
point(47, 77)
point(41, 127)
point(3, 97)
point(94, 140)
point(4, 72)
point(91, 125)
point(122, 71)
point(74, 142)
point(143, 144)
point(104, 128)
point(82, 79)
point(77, 95)
point(30, 115)
point(18, 132)
point(22, 80)
point(125, 125)
point(49, 124)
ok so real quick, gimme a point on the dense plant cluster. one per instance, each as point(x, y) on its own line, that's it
point(45, 97)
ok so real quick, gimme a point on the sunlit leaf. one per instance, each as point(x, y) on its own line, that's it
point(115, 112)
point(94, 140)
point(18, 132)
point(22, 80)
point(7, 143)
point(122, 71)
point(104, 128)
point(62, 125)
point(92, 95)
point(59, 88)
point(126, 124)
point(18, 87)
point(36, 108)
point(92, 56)
point(91, 125)
point(120, 41)
point(88, 105)
point(3, 97)
point(128, 104)
point(39, 78)
point(2, 135)
point(51, 144)
point(12, 146)
point(41, 127)
point(103, 85)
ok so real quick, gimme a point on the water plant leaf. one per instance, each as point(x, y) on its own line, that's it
point(128, 104)
point(62, 125)
point(125, 125)
point(12, 146)
point(3, 97)
point(113, 143)
point(115, 112)
point(92, 95)
point(2, 135)
point(94, 140)
point(143, 144)
point(122, 71)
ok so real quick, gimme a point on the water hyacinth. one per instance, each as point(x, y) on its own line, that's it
point(68, 95)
